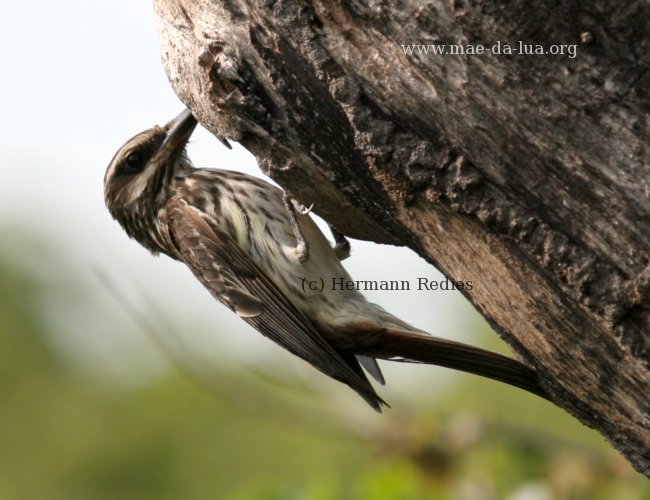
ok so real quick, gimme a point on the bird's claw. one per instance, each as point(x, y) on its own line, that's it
point(303, 210)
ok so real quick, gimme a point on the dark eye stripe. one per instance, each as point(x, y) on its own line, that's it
point(138, 157)
point(133, 163)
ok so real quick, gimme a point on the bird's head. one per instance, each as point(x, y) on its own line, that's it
point(140, 171)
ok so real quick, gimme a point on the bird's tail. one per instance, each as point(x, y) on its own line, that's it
point(418, 347)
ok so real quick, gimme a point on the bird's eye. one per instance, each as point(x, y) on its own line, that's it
point(133, 163)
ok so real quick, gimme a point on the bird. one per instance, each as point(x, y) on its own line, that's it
point(252, 247)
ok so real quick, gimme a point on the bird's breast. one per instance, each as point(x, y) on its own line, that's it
point(252, 212)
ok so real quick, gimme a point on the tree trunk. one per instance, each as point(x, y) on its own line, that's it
point(528, 175)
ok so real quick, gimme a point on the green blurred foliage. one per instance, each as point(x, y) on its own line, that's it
point(63, 436)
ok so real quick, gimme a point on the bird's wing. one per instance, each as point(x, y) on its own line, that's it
point(236, 280)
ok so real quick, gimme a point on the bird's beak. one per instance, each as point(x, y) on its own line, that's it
point(179, 131)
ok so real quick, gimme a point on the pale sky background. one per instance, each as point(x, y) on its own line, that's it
point(78, 79)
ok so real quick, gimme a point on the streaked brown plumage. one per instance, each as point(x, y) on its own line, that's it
point(236, 235)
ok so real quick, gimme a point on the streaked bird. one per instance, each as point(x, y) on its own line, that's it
point(251, 246)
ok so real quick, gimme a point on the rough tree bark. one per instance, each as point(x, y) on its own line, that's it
point(528, 175)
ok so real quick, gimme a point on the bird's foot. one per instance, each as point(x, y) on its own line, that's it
point(342, 244)
point(302, 249)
